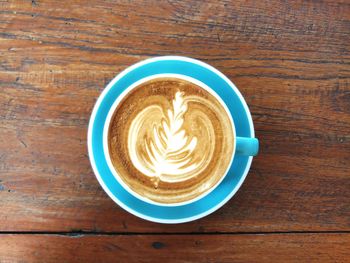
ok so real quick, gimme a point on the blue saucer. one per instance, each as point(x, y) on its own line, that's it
point(212, 78)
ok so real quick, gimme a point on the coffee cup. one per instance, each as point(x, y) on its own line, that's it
point(170, 139)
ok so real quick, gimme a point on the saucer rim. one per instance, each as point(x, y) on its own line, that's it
point(90, 137)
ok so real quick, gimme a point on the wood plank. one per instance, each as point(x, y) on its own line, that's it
point(177, 248)
point(290, 60)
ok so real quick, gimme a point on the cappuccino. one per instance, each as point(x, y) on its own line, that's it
point(170, 140)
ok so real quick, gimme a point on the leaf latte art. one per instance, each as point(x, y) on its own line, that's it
point(166, 154)
point(170, 140)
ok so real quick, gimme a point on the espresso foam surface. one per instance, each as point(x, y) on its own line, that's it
point(170, 140)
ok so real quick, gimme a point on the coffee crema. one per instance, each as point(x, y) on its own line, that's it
point(170, 140)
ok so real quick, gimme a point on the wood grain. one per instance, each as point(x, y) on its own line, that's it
point(290, 59)
point(176, 248)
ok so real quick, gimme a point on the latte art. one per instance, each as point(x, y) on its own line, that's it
point(164, 151)
point(170, 140)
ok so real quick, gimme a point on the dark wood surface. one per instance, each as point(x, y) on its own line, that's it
point(180, 248)
point(290, 60)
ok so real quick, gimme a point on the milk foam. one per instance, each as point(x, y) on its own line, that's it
point(170, 140)
point(167, 152)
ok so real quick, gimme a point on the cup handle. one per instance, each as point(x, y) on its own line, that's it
point(247, 146)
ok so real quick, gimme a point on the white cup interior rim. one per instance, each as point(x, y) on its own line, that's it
point(110, 115)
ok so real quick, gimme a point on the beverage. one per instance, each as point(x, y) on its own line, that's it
point(170, 140)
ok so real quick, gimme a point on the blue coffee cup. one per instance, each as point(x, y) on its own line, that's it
point(246, 145)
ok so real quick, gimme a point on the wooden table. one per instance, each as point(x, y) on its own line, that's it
point(291, 61)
